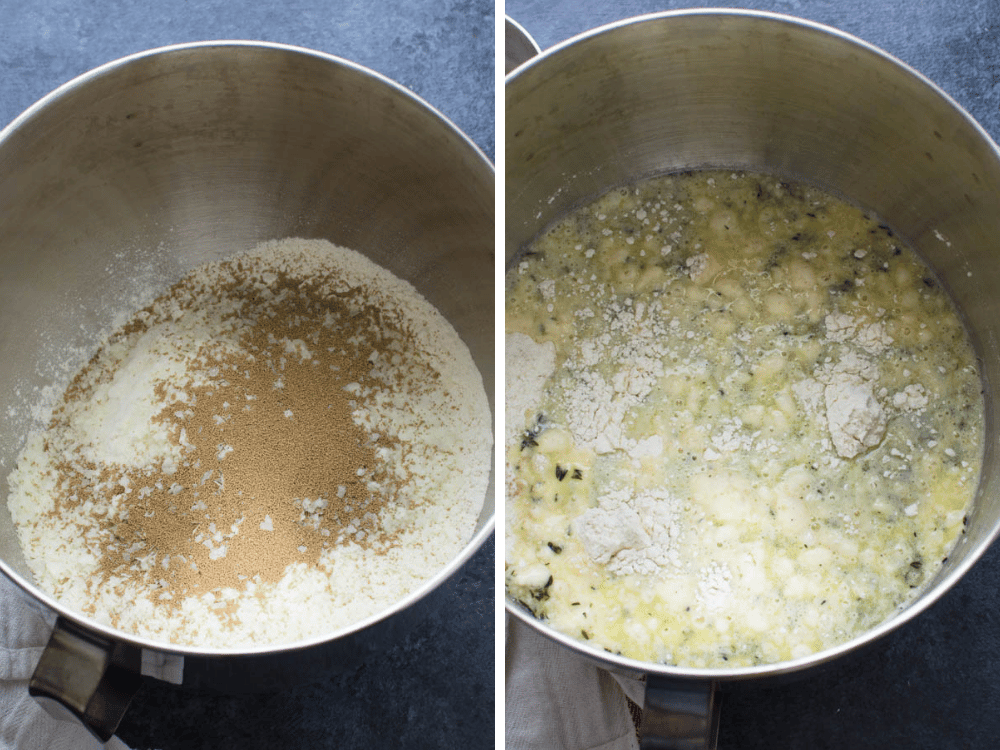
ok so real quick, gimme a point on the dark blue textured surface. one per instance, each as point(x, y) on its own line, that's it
point(936, 682)
point(436, 689)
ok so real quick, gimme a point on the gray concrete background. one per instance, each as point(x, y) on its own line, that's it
point(435, 689)
point(935, 683)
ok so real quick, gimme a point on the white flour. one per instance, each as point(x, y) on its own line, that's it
point(529, 365)
point(854, 416)
point(632, 534)
point(137, 507)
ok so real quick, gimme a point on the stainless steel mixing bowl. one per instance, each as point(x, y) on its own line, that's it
point(759, 91)
point(135, 172)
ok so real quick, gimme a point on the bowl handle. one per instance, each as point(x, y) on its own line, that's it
point(679, 715)
point(82, 676)
point(519, 47)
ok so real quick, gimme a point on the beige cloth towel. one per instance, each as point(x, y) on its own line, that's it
point(24, 725)
point(557, 700)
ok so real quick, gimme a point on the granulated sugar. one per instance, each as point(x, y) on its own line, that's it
point(281, 445)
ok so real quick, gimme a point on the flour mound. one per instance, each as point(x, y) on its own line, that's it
point(282, 444)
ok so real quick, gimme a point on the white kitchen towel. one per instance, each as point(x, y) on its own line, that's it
point(24, 725)
point(557, 700)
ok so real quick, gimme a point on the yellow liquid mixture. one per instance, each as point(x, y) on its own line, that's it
point(744, 422)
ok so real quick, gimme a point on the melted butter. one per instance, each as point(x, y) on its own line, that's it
point(762, 432)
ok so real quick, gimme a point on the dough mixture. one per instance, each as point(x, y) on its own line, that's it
point(744, 422)
point(281, 445)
